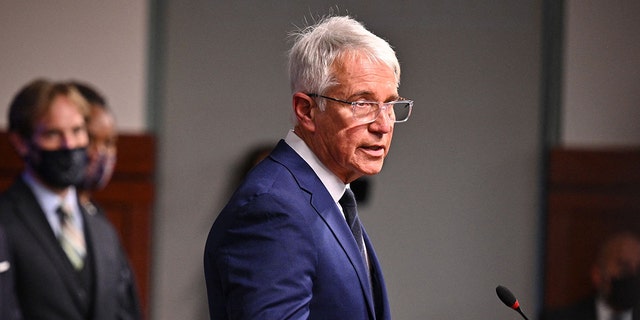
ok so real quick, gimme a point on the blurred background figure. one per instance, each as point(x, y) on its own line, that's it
point(102, 150)
point(69, 263)
point(616, 280)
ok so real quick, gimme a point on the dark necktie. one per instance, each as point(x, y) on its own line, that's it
point(348, 203)
point(71, 239)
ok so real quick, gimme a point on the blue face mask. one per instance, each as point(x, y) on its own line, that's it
point(59, 168)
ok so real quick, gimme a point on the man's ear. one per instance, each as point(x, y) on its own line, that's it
point(304, 111)
point(596, 276)
point(19, 144)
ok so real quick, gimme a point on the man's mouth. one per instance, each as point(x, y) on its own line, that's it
point(373, 150)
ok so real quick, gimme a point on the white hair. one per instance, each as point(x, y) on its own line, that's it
point(317, 47)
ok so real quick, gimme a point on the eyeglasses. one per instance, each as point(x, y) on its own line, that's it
point(368, 111)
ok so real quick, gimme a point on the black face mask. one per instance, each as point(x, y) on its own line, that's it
point(59, 168)
point(625, 291)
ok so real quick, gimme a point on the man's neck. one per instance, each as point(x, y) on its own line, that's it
point(62, 192)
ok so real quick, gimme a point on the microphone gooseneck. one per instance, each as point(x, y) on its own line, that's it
point(509, 300)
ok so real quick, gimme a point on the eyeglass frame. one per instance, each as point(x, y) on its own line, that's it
point(354, 105)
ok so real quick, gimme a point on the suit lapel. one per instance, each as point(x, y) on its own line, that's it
point(31, 214)
point(100, 255)
point(323, 204)
point(335, 222)
point(377, 281)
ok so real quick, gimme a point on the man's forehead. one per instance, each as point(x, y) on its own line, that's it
point(625, 250)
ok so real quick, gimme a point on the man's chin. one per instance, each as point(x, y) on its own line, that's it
point(371, 169)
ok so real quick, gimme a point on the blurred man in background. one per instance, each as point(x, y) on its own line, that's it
point(102, 150)
point(69, 263)
point(616, 280)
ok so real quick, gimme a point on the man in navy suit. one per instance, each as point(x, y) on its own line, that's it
point(281, 248)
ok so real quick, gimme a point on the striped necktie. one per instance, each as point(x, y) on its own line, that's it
point(71, 238)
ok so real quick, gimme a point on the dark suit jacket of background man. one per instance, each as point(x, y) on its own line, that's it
point(8, 304)
point(314, 269)
point(48, 286)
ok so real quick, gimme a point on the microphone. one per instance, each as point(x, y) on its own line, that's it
point(509, 299)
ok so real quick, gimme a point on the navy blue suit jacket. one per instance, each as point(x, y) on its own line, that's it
point(281, 249)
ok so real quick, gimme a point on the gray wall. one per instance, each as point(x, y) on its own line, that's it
point(601, 96)
point(454, 212)
point(103, 42)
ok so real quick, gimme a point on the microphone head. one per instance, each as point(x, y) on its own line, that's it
point(507, 297)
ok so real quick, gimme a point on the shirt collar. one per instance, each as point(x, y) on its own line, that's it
point(334, 185)
point(605, 312)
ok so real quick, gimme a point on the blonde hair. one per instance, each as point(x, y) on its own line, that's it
point(34, 100)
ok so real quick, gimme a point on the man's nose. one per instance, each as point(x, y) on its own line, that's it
point(383, 121)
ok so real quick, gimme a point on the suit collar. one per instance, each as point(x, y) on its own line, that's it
point(334, 185)
point(30, 212)
point(307, 179)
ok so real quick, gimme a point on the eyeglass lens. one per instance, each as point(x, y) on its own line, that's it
point(401, 111)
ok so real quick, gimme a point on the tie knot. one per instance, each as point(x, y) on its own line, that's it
point(348, 199)
point(63, 212)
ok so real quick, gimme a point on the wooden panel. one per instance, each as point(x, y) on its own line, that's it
point(127, 200)
point(592, 194)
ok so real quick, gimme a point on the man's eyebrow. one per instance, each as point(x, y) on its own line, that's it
point(366, 93)
point(360, 94)
point(50, 131)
